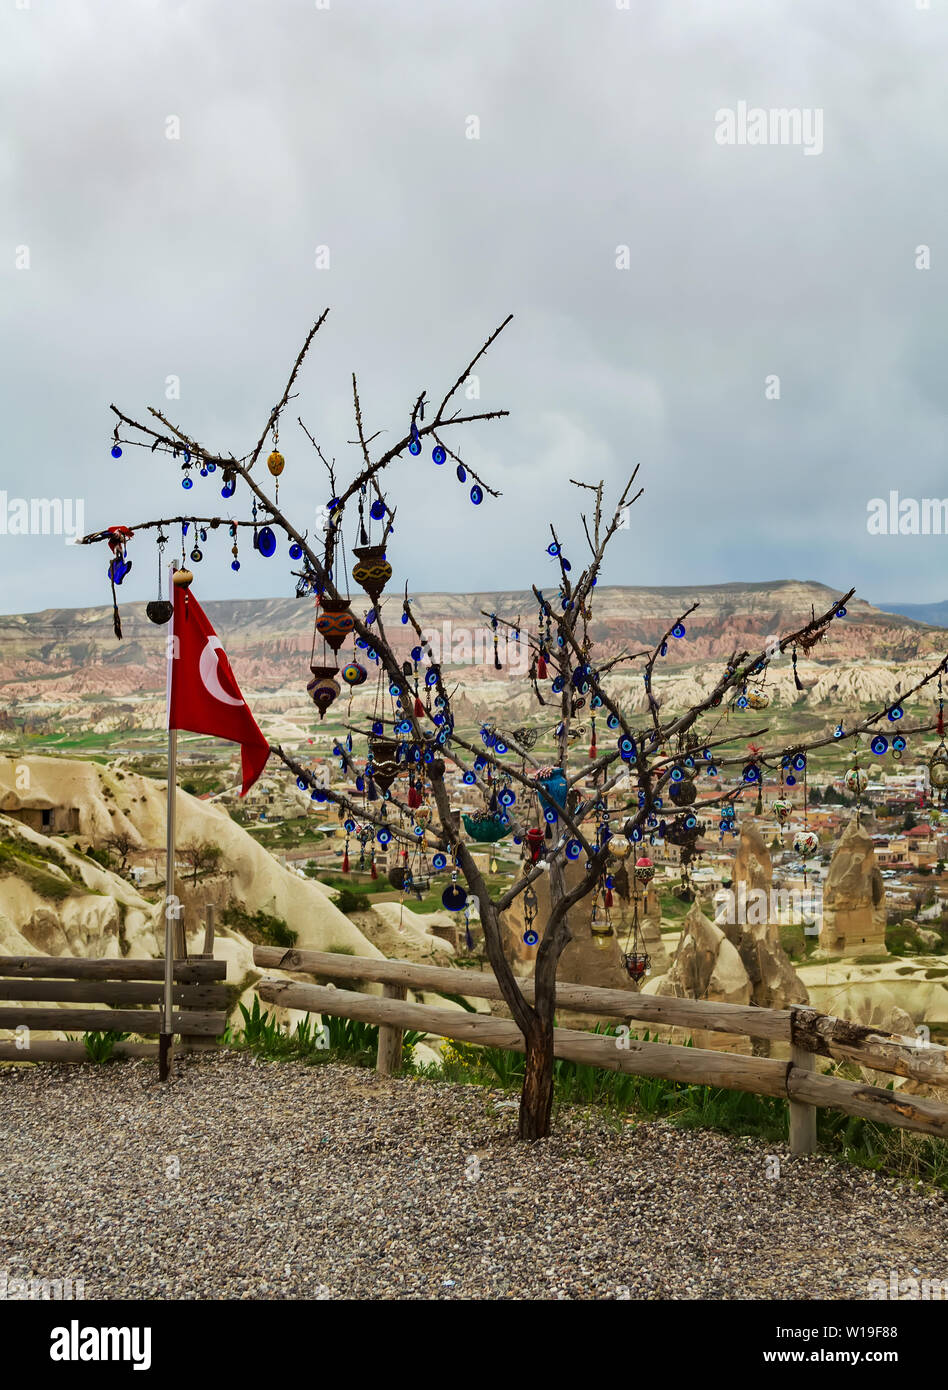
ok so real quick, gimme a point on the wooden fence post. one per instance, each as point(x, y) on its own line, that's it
point(389, 1060)
point(802, 1115)
point(180, 935)
point(193, 1042)
point(208, 953)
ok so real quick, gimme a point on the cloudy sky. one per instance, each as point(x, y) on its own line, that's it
point(130, 258)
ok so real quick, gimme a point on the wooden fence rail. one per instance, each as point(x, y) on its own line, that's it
point(808, 1032)
point(198, 991)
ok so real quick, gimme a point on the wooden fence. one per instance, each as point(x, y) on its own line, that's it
point(198, 990)
point(808, 1034)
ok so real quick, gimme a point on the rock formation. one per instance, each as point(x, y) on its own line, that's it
point(774, 984)
point(752, 864)
point(854, 912)
point(706, 966)
point(650, 925)
point(584, 961)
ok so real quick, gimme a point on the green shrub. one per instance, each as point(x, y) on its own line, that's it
point(259, 927)
point(100, 1046)
point(347, 901)
point(348, 1040)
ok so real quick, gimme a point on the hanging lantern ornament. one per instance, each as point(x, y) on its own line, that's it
point(159, 610)
point(806, 842)
point(323, 688)
point(600, 923)
point(757, 699)
point(182, 579)
point(856, 779)
point(637, 964)
point(782, 809)
point(938, 768)
point(619, 846)
point(334, 624)
point(534, 843)
point(644, 869)
point(275, 461)
point(372, 570)
point(384, 763)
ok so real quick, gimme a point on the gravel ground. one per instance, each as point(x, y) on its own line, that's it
point(248, 1179)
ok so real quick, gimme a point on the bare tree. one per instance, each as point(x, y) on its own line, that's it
point(201, 857)
point(120, 844)
point(591, 810)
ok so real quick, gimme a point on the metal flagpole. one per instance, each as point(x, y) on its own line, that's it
point(171, 904)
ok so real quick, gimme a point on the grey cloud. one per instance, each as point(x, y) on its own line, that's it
point(345, 127)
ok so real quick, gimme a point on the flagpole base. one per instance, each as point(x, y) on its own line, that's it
point(164, 1056)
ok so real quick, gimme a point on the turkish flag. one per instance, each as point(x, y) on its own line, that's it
point(203, 695)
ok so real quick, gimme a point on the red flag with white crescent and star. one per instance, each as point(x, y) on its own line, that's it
point(203, 695)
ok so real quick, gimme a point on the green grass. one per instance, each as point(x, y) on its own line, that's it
point(339, 1040)
point(901, 940)
point(15, 859)
point(673, 907)
point(794, 940)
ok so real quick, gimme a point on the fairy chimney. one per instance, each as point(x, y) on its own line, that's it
point(584, 960)
point(752, 864)
point(774, 982)
point(706, 966)
point(854, 913)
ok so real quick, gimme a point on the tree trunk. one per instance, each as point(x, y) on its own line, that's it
point(536, 1098)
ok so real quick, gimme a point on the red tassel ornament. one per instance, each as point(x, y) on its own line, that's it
point(419, 709)
point(345, 862)
point(541, 668)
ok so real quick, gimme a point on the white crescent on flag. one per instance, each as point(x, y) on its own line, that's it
point(208, 668)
